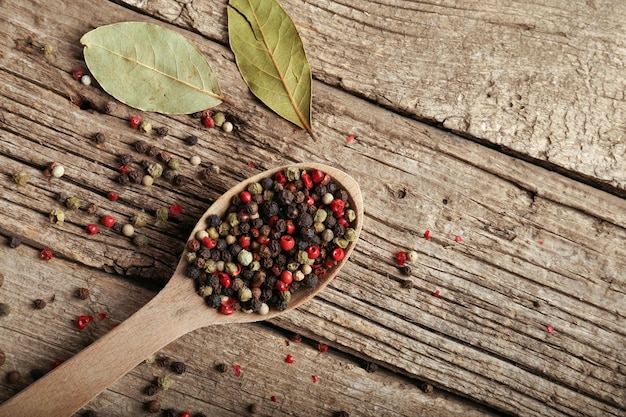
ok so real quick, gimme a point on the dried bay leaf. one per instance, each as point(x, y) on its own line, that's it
point(271, 58)
point(151, 68)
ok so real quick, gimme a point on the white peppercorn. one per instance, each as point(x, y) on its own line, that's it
point(195, 160)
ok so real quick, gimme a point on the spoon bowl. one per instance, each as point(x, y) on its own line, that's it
point(176, 310)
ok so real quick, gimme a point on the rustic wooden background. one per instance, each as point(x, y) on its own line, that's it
point(501, 123)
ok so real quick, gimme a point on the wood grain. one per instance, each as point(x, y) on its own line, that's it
point(538, 249)
point(544, 81)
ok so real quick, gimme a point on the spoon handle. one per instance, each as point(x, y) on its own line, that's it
point(67, 388)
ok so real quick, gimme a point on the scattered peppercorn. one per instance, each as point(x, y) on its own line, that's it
point(128, 230)
point(37, 373)
point(170, 413)
point(161, 214)
point(153, 406)
point(140, 240)
point(15, 241)
point(371, 367)
point(427, 388)
point(77, 74)
point(161, 131)
point(341, 414)
point(99, 138)
point(20, 178)
point(92, 208)
point(195, 160)
point(164, 383)
point(107, 221)
point(90, 413)
point(536, 304)
point(72, 203)
point(13, 377)
point(151, 390)
point(295, 337)
point(145, 126)
point(164, 361)
point(82, 293)
point(142, 146)
point(322, 347)
point(221, 368)
point(427, 234)
point(58, 171)
point(45, 254)
point(91, 229)
point(179, 367)
point(57, 216)
point(227, 127)
point(139, 220)
point(147, 180)
point(289, 359)
point(135, 121)
point(179, 180)
point(5, 309)
point(39, 304)
point(405, 270)
point(191, 140)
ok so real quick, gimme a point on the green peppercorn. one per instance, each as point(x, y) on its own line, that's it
point(302, 257)
point(327, 235)
point(292, 173)
point(230, 268)
point(174, 163)
point(139, 220)
point(255, 188)
point(145, 126)
point(341, 242)
point(72, 203)
point(191, 257)
point(319, 227)
point(161, 214)
point(244, 294)
point(140, 240)
point(219, 118)
point(205, 291)
point(164, 383)
point(223, 229)
point(350, 215)
point(320, 216)
point(286, 295)
point(268, 195)
point(350, 234)
point(57, 216)
point(155, 169)
point(20, 178)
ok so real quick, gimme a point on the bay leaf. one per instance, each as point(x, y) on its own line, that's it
point(151, 68)
point(271, 58)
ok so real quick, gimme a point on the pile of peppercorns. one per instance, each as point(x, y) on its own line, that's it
point(279, 235)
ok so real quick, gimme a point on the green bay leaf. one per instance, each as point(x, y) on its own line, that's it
point(271, 58)
point(151, 68)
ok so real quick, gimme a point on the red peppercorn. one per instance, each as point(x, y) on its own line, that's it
point(175, 210)
point(291, 228)
point(317, 175)
point(77, 74)
point(208, 122)
point(343, 222)
point(57, 363)
point(286, 277)
point(237, 369)
point(401, 258)
point(263, 240)
point(281, 286)
point(273, 397)
point(107, 221)
point(457, 239)
point(289, 359)
point(224, 279)
point(338, 254)
point(309, 200)
point(315, 378)
point(92, 229)
point(135, 121)
point(307, 180)
point(437, 293)
point(244, 242)
point(313, 251)
point(112, 196)
point(228, 302)
point(208, 242)
point(83, 321)
point(124, 169)
point(254, 232)
point(272, 221)
point(337, 205)
point(287, 242)
point(245, 197)
point(226, 310)
point(184, 414)
point(350, 138)
point(550, 329)
point(45, 254)
point(427, 235)
point(280, 177)
point(322, 347)
point(102, 316)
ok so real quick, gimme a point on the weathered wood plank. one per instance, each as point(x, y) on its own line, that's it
point(542, 80)
point(40, 337)
point(482, 338)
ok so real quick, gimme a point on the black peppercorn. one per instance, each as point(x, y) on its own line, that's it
point(99, 138)
point(151, 390)
point(37, 373)
point(15, 241)
point(179, 180)
point(371, 367)
point(82, 293)
point(2, 358)
point(191, 140)
point(407, 283)
point(161, 131)
point(164, 361)
point(152, 150)
point(90, 413)
point(405, 270)
point(342, 414)
point(221, 367)
point(427, 388)
point(39, 304)
point(179, 367)
point(213, 300)
point(142, 146)
point(135, 177)
point(170, 413)
point(123, 179)
point(126, 159)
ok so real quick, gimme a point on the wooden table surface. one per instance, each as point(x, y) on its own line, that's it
point(497, 126)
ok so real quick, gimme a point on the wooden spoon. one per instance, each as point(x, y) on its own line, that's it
point(174, 311)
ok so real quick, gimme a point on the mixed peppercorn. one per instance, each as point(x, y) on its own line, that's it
point(279, 235)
